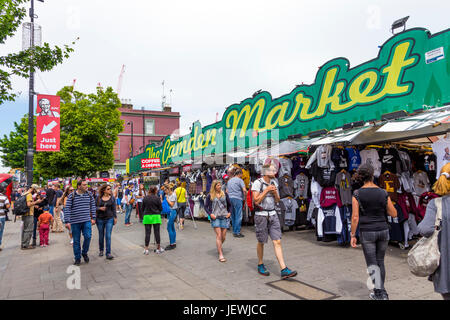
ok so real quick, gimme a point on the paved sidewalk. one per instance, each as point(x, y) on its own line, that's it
point(192, 270)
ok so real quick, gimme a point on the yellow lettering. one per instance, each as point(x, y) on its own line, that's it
point(247, 114)
point(200, 139)
point(355, 94)
point(327, 98)
point(278, 109)
point(166, 152)
point(394, 70)
point(305, 103)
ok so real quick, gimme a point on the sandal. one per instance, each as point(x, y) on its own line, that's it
point(223, 260)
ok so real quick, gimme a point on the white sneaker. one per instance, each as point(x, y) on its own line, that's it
point(158, 251)
point(146, 252)
point(71, 241)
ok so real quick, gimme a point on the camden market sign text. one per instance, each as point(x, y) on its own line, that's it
point(400, 78)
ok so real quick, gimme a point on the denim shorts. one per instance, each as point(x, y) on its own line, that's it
point(220, 223)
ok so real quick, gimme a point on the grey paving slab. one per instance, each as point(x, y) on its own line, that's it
point(192, 270)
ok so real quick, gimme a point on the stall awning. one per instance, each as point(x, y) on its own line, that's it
point(284, 148)
point(342, 136)
point(428, 124)
point(428, 119)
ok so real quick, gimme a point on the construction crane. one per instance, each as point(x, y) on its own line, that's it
point(119, 84)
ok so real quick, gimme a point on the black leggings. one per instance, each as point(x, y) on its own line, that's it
point(139, 209)
point(148, 233)
point(374, 244)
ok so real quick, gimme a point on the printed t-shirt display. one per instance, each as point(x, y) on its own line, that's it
point(441, 149)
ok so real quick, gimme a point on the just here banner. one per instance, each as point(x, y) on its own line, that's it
point(410, 73)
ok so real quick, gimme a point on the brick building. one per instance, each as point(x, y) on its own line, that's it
point(149, 126)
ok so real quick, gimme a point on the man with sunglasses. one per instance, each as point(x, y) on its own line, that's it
point(265, 195)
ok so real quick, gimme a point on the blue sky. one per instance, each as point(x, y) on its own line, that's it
point(212, 54)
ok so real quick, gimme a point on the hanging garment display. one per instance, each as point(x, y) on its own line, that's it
point(441, 149)
point(405, 160)
point(329, 221)
point(289, 209)
point(323, 157)
point(301, 184)
point(390, 183)
point(286, 186)
point(344, 185)
point(424, 199)
point(339, 156)
point(421, 182)
point(407, 182)
point(354, 158)
point(330, 196)
point(389, 158)
point(285, 166)
point(371, 157)
point(302, 217)
point(298, 166)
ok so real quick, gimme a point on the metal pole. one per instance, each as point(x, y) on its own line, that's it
point(143, 128)
point(30, 150)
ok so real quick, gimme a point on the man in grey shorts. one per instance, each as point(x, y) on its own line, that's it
point(265, 195)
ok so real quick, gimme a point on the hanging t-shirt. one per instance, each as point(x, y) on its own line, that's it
point(285, 166)
point(286, 186)
point(298, 166)
point(389, 158)
point(405, 160)
point(326, 177)
point(390, 183)
point(370, 156)
point(316, 190)
point(441, 149)
point(301, 186)
point(421, 183)
point(329, 221)
point(354, 159)
point(329, 196)
point(344, 185)
point(289, 207)
point(339, 156)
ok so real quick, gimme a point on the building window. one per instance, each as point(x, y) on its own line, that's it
point(149, 126)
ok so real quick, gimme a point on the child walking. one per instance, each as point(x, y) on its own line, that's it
point(44, 222)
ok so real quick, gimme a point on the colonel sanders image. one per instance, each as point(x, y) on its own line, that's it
point(44, 104)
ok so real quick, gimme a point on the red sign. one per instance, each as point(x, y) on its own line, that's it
point(47, 123)
point(187, 168)
point(150, 163)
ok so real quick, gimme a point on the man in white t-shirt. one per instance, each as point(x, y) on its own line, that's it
point(265, 195)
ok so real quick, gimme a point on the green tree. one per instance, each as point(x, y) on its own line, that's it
point(14, 146)
point(90, 125)
point(43, 58)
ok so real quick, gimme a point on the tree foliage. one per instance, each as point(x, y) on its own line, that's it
point(14, 146)
point(90, 125)
point(42, 58)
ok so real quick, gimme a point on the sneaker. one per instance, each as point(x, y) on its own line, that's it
point(146, 252)
point(288, 273)
point(109, 257)
point(86, 258)
point(71, 241)
point(45, 245)
point(376, 295)
point(181, 227)
point(170, 247)
point(262, 270)
point(42, 246)
point(158, 251)
point(100, 254)
point(384, 295)
point(240, 235)
point(77, 262)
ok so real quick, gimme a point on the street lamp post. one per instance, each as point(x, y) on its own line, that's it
point(30, 150)
point(131, 123)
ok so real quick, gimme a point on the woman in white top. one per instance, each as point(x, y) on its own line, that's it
point(171, 198)
point(139, 198)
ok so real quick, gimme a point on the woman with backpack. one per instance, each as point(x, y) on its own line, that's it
point(218, 206)
point(106, 218)
point(441, 277)
point(370, 205)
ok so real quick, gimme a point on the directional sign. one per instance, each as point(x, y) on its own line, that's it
point(48, 123)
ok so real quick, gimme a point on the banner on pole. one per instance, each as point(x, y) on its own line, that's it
point(48, 123)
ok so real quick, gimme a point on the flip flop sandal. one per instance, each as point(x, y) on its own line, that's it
point(223, 260)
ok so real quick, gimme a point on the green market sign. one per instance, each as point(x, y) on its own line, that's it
point(411, 72)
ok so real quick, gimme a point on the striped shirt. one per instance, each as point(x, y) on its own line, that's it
point(79, 208)
point(3, 203)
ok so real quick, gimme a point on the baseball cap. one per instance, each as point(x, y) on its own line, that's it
point(225, 176)
point(34, 186)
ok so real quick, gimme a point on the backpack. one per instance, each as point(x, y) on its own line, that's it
point(424, 257)
point(20, 206)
